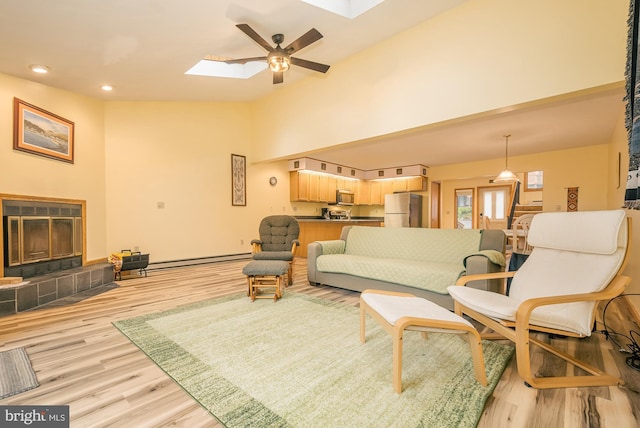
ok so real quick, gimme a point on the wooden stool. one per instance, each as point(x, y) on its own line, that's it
point(265, 274)
point(397, 312)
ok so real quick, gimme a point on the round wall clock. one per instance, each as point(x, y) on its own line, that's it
point(273, 181)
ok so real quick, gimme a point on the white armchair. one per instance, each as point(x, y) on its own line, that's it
point(576, 261)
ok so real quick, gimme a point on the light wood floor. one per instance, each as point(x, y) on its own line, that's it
point(83, 361)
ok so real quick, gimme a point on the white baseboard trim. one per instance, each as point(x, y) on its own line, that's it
point(197, 261)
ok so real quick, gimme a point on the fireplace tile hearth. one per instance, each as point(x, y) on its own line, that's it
point(41, 290)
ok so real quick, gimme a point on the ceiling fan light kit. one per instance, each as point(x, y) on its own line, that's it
point(279, 59)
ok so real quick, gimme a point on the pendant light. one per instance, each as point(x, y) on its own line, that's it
point(506, 175)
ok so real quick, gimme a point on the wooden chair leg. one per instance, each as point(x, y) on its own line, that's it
point(475, 344)
point(279, 287)
point(290, 273)
point(397, 360)
point(362, 322)
point(252, 288)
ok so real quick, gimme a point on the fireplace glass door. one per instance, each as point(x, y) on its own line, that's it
point(35, 239)
point(77, 244)
point(13, 240)
point(61, 237)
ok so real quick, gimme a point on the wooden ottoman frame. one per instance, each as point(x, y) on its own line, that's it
point(428, 321)
point(263, 274)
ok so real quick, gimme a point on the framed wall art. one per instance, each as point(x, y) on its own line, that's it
point(238, 180)
point(41, 132)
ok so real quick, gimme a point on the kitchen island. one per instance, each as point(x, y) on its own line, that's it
point(322, 229)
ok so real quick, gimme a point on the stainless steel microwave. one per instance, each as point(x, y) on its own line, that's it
point(345, 197)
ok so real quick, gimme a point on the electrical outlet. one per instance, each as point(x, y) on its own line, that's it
point(160, 205)
point(136, 248)
point(242, 242)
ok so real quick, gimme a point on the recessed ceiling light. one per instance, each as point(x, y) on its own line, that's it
point(42, 69)
point(106, 87)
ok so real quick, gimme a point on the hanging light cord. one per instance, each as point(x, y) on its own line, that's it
point(506, 151)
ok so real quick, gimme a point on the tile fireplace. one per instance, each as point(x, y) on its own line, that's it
point(41, 236)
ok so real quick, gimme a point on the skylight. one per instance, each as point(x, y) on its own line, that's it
point(219, 68)
point(216, 67)
point(347, 8)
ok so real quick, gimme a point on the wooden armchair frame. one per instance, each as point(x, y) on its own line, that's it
point(265, 231)
point(519, 331)
point(256, 247)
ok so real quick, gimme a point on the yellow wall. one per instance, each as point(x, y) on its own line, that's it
point(586, 168)
point(483, 55)
point(480, 56)
point(178, 154)
point(30, 175)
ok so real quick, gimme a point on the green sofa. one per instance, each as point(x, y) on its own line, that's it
point(420, 261)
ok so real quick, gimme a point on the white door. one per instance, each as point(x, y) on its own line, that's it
point(493, 204)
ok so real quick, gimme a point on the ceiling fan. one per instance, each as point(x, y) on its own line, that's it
point(279, 59)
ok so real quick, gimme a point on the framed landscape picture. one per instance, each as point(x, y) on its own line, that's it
point(41, 132)
point(238, 180)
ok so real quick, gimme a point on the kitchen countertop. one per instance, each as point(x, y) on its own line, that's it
point(352, 220)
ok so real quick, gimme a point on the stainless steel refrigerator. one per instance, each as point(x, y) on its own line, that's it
point(402, 210)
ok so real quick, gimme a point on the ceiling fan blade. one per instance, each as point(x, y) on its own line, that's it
point(255, 36)
point(278, 77)
point(305, 40)
point(245, 60)
point(322, 68)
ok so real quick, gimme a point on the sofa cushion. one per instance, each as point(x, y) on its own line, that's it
point(428, 245)
point(432, 276)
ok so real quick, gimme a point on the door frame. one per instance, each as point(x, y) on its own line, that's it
point(507, 202)
point(473, 206)
point(434, 215)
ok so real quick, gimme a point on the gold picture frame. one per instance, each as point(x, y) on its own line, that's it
point(41, 132)
point(238, 180)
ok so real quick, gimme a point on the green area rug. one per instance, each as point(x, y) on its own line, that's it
point(299, 362)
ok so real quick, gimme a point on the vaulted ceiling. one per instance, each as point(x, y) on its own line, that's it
point(144, 47)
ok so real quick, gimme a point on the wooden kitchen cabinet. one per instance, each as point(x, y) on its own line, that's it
point(399, 185)
point(376, 192)
point(363, 192)
point(387, 189)
point(347, 184)
point(305, 187)
point(416, 184)
point(327, 189)
point(314, 187)
point(299, 186)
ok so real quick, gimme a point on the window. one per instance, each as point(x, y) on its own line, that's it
point(533, 181)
